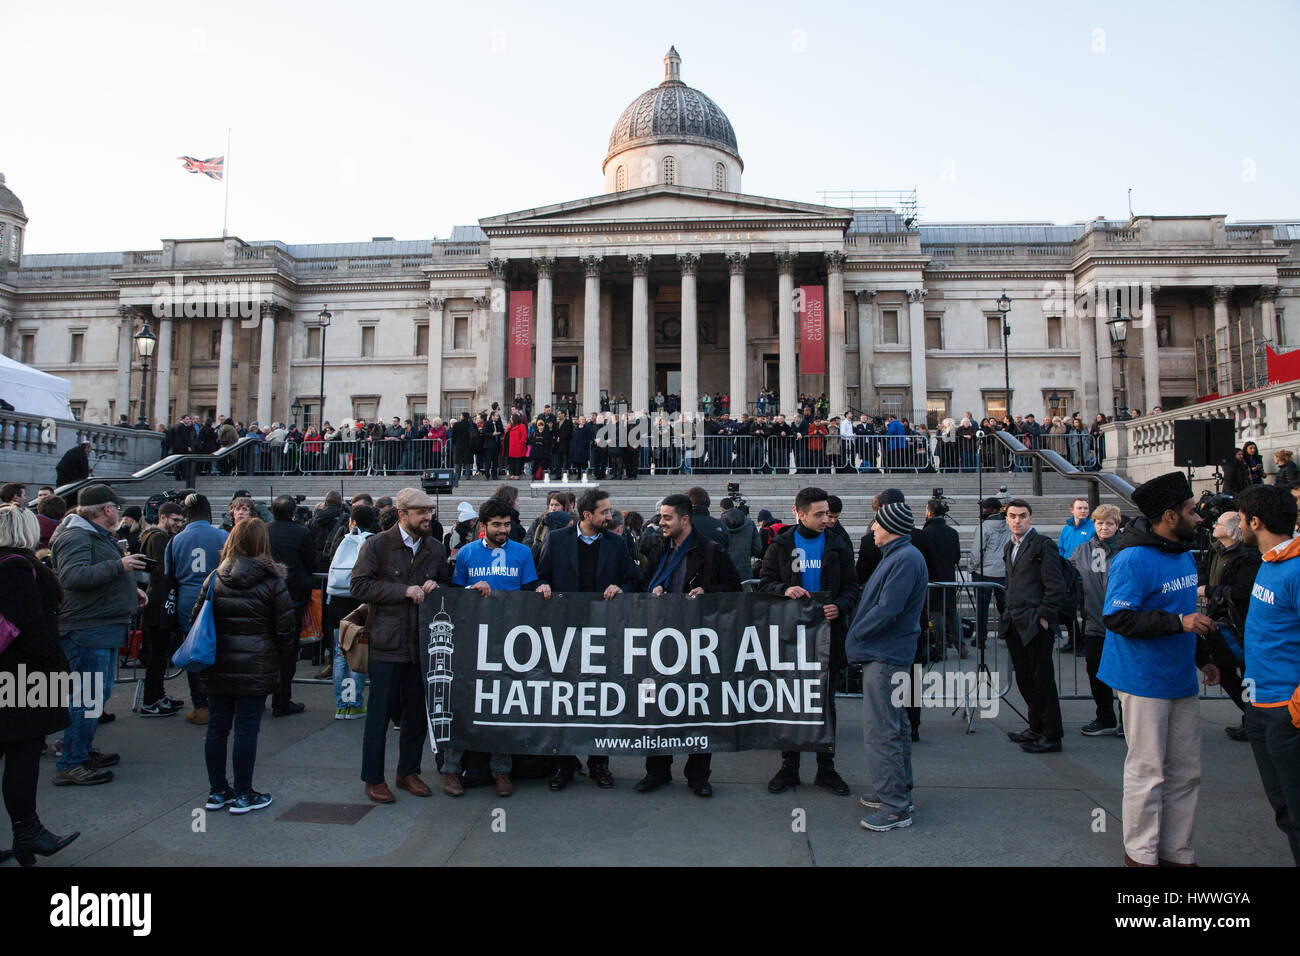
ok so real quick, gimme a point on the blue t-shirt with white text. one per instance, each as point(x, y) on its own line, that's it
point(809, 553)
point(1147, 579)
point(508, 568)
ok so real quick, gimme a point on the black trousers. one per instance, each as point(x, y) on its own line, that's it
point(571, 763)
point(406, 682)
point(289, 663)
point(826, 755)
point(158, 649)
point(1101, 693)
point(697, 767)
point(22, 768)
point(1036, 678)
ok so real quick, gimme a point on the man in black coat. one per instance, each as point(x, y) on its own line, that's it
point(822, 570)
point(589, 559)
point(73, 466)
point(945, 551)
point(462, 446)
point(563, 442)
point(291, 546)
point(1035, 589)
point(703, 523)
point(690, 564)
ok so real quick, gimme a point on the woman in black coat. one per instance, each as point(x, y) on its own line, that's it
point(541, 456)
point(255, 625)
point(29, 599)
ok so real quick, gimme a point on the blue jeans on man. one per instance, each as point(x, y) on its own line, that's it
point(88, 660)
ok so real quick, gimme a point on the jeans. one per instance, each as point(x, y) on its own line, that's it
point(246, 715)
point(347, 695)
point(887, 733)
point(88, 662)
point(1276, 743)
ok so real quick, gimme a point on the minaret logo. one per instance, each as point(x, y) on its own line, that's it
point(441, 644)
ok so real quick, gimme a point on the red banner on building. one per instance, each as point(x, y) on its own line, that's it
point(1284, 367)
point(812, 325)
point(520, 335)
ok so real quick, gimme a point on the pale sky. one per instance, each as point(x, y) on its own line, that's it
point(404, 119)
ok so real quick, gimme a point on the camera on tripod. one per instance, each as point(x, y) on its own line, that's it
point(741, 502)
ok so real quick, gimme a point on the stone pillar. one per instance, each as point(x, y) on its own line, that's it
point(266, 364)
point(497, 333)
point(125, 358)
point(1105, 363)
point(591, 266)
point(788, 370)
point(1268, 314)
point(866, 349)
point(1150, 350)
point(6, 320)
point(1222, 343)
point(640, 396)
point(739, 340)
point(433, 374)
point(543, 363)
point(916, 341)
point(225, 369)
point(836, 395)
point(162, 390)
point(1089, 402)
point(481, 330)
point(690, 264)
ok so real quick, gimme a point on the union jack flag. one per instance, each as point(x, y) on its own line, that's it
point(213, 167)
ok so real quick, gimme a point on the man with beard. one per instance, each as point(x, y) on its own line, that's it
point(1149, 657)
point(587, 558)
point(394, 571)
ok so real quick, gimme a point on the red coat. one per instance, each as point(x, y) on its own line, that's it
point(517, 441)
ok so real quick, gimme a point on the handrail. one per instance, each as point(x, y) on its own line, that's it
point(1058, 463)
point(171, 461)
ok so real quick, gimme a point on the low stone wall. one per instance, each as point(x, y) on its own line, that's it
point(31, 446)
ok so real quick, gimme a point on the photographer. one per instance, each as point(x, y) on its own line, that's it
point(1227, 574)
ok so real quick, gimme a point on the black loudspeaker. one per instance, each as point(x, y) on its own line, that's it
point(1203, 443)
point(439, 481)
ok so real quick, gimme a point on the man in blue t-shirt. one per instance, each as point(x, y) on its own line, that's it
point(1149, 658)
point(492, 563)
point(190, 557)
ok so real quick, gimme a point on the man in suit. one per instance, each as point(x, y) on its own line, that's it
point(1035, 589)
point(692, 565)
point(393, 572)
point(589, 559)
point(291, 546)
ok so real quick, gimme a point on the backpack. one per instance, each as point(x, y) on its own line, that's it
point(345, 557)
point(1073, 586)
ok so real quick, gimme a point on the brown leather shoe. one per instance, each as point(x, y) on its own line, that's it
point(414, 785)
point(452, 786)
point(1129, 861)
point(380, 793)
point(504, 785)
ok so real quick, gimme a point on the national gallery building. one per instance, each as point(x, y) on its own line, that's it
point(671, 280)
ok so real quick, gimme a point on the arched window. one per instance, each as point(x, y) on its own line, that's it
point(620, 179)
point(720, 176)
point(670, 171)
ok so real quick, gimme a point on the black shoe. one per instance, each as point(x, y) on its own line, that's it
point(832, 781)
point(289, 709)
point(32, 839)
point(916, 735)
point(601, 776)
point(1236, 733)
point(1043, 746)
point(786, 777)
point(1025, 736)
point(560, 779)
point(650, 782)
point(107, 718)
point(700, 788)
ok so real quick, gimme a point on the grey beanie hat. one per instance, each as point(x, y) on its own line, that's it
point(895, 517)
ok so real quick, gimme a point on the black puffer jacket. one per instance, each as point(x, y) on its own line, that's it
point(255, 622)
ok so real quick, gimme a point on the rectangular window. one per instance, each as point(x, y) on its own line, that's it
point(933, 332)
point(460, 331)
point(78, 410)
point(1060, 407)
point(936, 409)
point(1054, 332)
point(313, 343)
point(889, 326)
point(27, 351)
point(457, 405)
point(367, 408)
point(419, 409)
point(421, 340)
point(891, 403)
point(995, 405)
point(993, 334)
point(367, 341)
point(76, 348)
point(564, 377)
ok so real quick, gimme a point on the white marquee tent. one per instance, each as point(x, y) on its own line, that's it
point(33, 392)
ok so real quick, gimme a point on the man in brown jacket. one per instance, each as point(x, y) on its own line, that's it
point(393, 573)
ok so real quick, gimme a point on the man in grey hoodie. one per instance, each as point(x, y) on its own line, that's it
point(99, 597)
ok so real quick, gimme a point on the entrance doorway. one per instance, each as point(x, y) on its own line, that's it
point(668, 378)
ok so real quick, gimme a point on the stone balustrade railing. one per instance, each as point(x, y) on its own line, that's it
point(31, 446)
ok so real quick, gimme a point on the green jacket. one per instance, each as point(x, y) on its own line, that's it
point(96, 590)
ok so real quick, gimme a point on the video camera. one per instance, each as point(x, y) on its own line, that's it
point(741, 502)
point(1211, 506)
point(154, 502)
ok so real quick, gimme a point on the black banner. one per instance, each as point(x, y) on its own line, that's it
point(514, 672)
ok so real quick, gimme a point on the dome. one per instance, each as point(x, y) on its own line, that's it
point(673, 112)
point(8, 201)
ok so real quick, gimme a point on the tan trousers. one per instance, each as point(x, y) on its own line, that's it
point(1162, 777)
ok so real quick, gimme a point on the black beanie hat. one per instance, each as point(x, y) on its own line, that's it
point(1160, 494)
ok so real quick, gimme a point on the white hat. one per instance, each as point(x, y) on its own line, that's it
point(465, 512)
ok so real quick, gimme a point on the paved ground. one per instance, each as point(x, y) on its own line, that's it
point(980, 801)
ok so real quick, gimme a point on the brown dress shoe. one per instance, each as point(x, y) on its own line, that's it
point(1129, 861)
point(504, 786)
point(414, 785)
point(379, 792)
point(452, 786)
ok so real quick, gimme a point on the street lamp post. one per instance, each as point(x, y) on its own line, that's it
point(295, 410)
point(1004, 307)
point(145, 341)
point(1119, 327)
point(323, 319)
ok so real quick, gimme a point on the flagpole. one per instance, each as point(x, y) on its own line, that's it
point(225, 212)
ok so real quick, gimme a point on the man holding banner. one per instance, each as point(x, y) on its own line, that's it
point(588, 559)
point(694, 566)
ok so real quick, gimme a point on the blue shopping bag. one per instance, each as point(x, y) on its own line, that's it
point(198, 651)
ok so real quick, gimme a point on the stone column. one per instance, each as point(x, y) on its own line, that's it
point(543, 363)
point(433, 374)
point(1222, 342)
point(690, 264)
point(482, 361)
point(916, 341)
point(1089, 402)
point(866, 348)
point(225, 367)
point(591, 266)
point(1268, 313)
point(739, 340)
point(836, 395)
point(6, 320)
point(1105, 363)
point(1150, 350)
point(162, 390)
point(266, 363)
point(125, 359)
point(788, 370)
point(640, 332)
point(497, 333)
